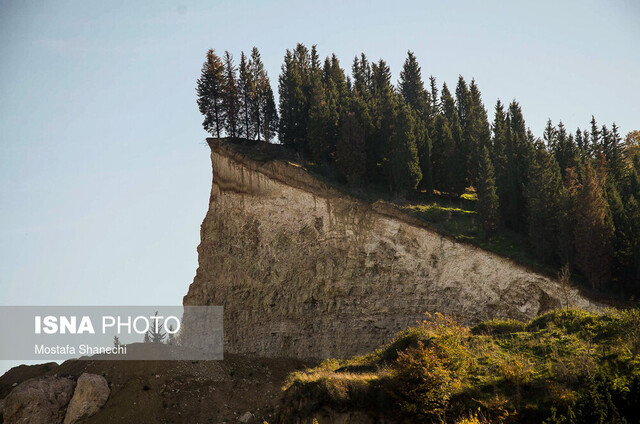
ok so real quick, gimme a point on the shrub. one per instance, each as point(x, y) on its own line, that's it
point(422, 383)
point(516, 369)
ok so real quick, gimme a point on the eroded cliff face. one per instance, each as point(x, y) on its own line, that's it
point(305, 271)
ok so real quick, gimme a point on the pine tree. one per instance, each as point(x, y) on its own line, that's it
point(337, 76)
point(549, 135)
point(499, 156)
point(456, 161)
point(350, 154)
point(245, 93)
point(519, 151)
point(405, 164)
point(463, 103)
point(424, 145)
point(328, 99)
point(258, 96)
point(478, 132)
point(593, 232)
point(383, 115)
point(412, 88)
point(594, 137)
point(320, 125)
point(231, 102)
point(435, 105)
point(543, 195)
point(361, 71)
point(270, 114)
point(116, 342)
point(487, 197)
point(614, 155)
point(567, 153)
point(442, 150)
point(155, 333)
point(210, 89)
point(295, 87)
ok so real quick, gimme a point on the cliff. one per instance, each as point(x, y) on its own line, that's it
point(305, 271)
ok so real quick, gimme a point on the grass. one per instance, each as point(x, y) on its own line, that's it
point(500, 371)
point(458, 218)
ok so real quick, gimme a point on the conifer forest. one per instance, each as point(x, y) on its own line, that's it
point(570, 198)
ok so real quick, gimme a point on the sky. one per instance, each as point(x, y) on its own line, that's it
point(104, 171)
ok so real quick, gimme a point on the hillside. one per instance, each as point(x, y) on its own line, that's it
point(567, 366)
point(300, 266)
point(176, 391)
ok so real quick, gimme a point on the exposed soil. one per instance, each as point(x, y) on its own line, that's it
point(178, 391)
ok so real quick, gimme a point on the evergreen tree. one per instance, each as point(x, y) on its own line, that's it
point(519, 150)
point(412, 88)
point(351, 155)
point(383, 115)
point(337, 76)
point(424, 146)
point(435, 105)
point(567, 153)
point(543, 194)
point(594, 138)
point(405, 164)
point(478, 130)
point(463, 104)
point(455, 161)
point(269, 113)
point(549, 136)
point(231, 101)
point(567, 217)
point(625, 215)
point(296, 89)
point(442, 152)
point(361, 71)
point(487, 197)
point(210, 89)
point(613, 153)
point(156, 335)
point(259, 94)
point(499, 156)
point(245, 93)
point(417, 98)
point(592, 233)
point(320, 131)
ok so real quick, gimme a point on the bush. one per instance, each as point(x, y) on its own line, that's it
point(423, 385)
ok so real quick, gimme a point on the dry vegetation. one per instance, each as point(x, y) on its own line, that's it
point(567, 366)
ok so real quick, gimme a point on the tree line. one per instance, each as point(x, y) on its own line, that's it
point(237, 101)
point(573, 196)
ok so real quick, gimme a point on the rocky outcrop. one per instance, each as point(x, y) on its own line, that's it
point(38, 401)
point(90, 395)
point(304, 270)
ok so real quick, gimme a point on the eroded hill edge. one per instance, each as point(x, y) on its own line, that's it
point(306, 271)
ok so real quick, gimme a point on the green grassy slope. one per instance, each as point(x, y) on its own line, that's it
point(567, 366)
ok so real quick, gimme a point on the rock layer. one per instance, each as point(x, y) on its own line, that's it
point(305, 271)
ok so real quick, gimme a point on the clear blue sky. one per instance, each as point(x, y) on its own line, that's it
point(104, 174)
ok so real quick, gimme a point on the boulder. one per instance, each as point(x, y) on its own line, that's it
point(91, 394)
point(40, 400)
